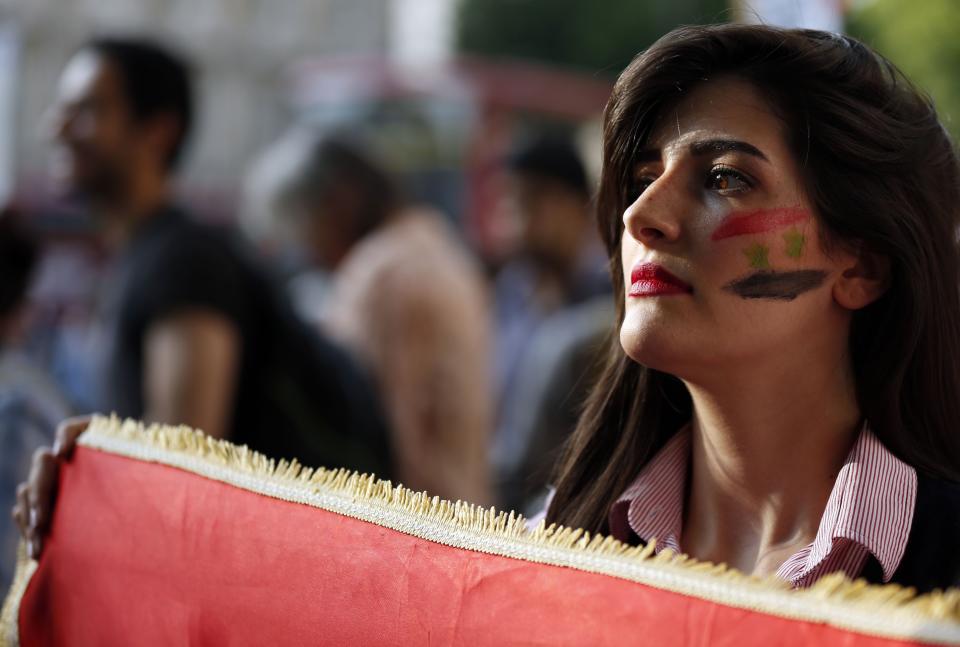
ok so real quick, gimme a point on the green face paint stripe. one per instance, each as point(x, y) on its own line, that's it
point(795, 243)
point(758, 256)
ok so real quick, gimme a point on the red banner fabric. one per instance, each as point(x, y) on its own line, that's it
point(147, 554)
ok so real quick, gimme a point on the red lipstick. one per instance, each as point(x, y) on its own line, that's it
point(650, 279)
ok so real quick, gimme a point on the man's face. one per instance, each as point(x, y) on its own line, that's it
point(93, 133)
point(552, 219)
point(327, 226)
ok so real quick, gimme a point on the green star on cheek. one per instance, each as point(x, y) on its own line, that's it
point(795, 243)
point(757, 255)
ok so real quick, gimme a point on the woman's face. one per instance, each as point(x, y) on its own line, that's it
point(721, 251)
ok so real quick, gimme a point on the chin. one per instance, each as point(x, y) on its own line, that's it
point(75, 184)
point(66, 179)
point(652, 345)
point(63, 188)
point(667, 342)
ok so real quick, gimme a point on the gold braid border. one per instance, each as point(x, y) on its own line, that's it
point(9, 629)
point(889, 611)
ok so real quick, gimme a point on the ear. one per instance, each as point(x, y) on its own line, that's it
point(161, 132)
point(863, 281)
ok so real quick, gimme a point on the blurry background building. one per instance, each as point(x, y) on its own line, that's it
point(437, 75)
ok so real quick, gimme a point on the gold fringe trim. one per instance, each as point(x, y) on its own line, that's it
point(888, 611)
point(9, 629)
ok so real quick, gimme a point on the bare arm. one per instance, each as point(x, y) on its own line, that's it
point(433, 373)
point(190, 372)
point(191, 362)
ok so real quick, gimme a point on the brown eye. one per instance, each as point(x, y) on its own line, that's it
point(726, 180)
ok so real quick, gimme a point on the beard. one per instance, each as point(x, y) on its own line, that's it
point(84, 175)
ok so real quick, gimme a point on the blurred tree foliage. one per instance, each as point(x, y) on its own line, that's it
point(922, 38)
point(597, 35)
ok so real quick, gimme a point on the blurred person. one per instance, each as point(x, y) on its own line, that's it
point(559, 260)
point(199, 334)
point(553, 380)
point(547, 303)
point(30, 403)
point(403, 295)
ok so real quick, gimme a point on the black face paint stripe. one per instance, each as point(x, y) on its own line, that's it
point(783, 286)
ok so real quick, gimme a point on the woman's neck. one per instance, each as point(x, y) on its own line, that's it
point(763, 466)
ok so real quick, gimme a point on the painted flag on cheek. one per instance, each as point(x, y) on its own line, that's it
point(166, 537)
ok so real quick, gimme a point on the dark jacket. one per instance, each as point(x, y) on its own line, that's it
point(932, 557)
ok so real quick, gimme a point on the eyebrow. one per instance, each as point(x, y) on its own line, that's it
point(724, 145)
point(705, 148)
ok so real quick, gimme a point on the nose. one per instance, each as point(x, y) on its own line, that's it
point(655, 217)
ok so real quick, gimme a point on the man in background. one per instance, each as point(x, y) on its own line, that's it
point(404, 296)
point(199, 334)
point(553, 304)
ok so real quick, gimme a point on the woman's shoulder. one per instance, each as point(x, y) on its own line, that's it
point(931, 559)
point(938, 496)
point(936, 515)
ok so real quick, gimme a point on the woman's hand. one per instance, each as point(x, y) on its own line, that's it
point(35, 498)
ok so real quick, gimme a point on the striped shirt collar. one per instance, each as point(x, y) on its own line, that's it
point(870, 509)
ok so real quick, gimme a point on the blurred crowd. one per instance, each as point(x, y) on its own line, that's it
point(334, 318)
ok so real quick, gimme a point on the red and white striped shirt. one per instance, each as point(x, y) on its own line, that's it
point(869, 512)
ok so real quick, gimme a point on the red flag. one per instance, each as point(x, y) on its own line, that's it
point(171, 538)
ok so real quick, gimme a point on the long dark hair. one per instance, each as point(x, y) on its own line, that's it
point(881, 173)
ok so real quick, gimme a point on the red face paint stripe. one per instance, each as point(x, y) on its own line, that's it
point(755, 222)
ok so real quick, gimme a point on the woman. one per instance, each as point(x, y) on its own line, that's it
point(780, 209)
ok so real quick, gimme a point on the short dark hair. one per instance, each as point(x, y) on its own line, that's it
point(18, 255)
point(341, 161)
point(155, 80)
point(553, 158)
